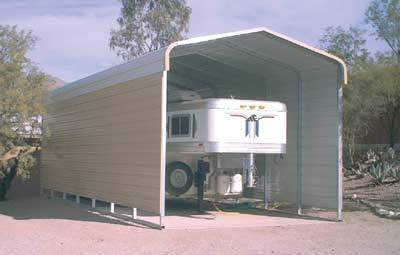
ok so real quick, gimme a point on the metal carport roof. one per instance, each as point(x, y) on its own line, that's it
point(270, 46)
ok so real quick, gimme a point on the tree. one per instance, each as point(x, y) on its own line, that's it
point(22, 91)
point(358, 111)
point(385, 84)
point(386, 58)
point(384, 17)
point(349, 45)
point(148, 25)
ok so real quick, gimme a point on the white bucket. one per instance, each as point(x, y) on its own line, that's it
point(236, 183)
point(223, 184)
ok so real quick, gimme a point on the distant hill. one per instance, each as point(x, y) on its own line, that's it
point(54, 83)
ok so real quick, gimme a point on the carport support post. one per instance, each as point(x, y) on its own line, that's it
point(112, 208)
point(93, 203)
point(300, 109)
point(339, 151)
point(77, 199)
point(134, 213)
point(64, 196)
point(161, 222)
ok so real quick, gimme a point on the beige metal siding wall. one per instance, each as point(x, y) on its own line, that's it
point(320, 123)
point(281, 173)
point(107, 144)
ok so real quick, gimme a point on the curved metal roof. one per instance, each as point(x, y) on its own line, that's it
point(261, 38)
point(264, 50)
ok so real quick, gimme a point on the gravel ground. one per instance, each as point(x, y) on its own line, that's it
point(41, 226)
point(387, 195)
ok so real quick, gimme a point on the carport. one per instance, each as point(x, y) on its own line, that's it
point(253, 64)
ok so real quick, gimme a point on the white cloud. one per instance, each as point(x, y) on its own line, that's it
point(71, 46)
point(303, 20)
point(73, 42)
point(74, 34)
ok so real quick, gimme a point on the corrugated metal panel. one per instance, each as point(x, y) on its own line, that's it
point(106, 144)
point(282, 178)
point(320, 139)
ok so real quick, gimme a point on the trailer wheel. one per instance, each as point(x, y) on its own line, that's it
point(179, 178)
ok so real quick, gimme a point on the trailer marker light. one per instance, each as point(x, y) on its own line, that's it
point(243, 106)
point(252, 107)
point(261, 107)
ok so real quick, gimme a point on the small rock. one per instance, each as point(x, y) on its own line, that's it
point(381, 211)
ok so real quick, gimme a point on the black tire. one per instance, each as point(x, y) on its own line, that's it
point(171, 168)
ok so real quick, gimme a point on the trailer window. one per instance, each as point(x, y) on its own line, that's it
point(180, 125)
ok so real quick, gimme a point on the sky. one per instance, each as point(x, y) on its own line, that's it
point(74, 34)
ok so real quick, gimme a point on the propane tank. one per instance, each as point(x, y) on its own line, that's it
point(223, 184)
point(236, 183)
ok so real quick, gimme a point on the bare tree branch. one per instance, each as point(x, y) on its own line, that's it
point(18, 150)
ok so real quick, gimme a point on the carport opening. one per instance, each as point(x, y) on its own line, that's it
point(230, 68)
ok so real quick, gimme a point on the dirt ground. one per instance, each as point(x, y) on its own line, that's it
point(386, 196)
point(48, 226)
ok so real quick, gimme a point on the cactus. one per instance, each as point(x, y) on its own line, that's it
point(391, 153)
point(382, 165)
point(395, 173)
point(379, 172)
point(372, 157)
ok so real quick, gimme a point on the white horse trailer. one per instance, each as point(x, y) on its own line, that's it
point(228, 132)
